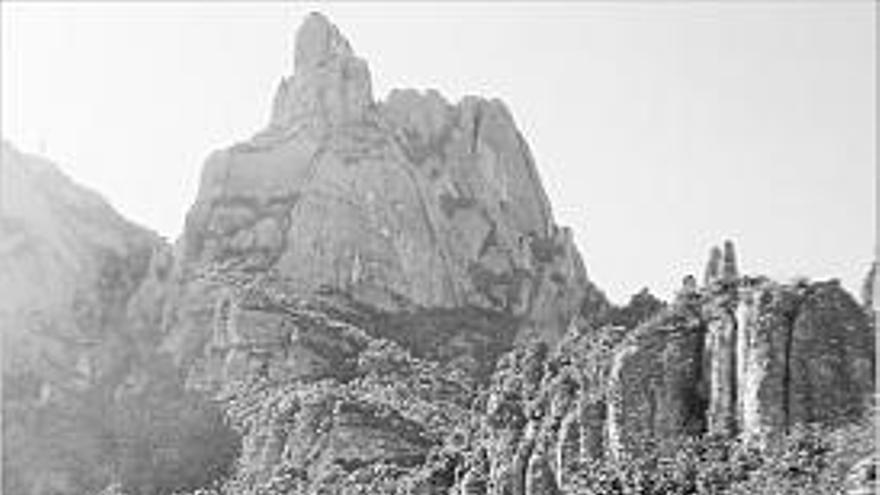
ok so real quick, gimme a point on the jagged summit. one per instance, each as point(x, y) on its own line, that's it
point(408, 203)
point(330, 85)
point(358, 288)
point(318, 40)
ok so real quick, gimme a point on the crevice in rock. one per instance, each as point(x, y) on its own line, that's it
point(700, 406)
point(475, 134)
point(732, 423)
point(790, 318)
point(521, 465)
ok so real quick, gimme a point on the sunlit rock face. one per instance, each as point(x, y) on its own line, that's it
point(354, 246)
point(73, 311)
point(377, 296)
point(805, 354)
point(349, 276)
point(746, 356)
point(727, 358)
point(413, 202)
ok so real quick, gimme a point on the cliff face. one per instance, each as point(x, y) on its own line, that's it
point(377, 296)
point(759, 357)
point(62, 248)
point(349, 276)
point(89, 397)
point(71, 273)
point(737, 356)
point(407, 204)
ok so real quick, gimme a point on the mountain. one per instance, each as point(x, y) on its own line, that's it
point(89, 396)
point(404, 205)
point(373, 297)
point(70, 269)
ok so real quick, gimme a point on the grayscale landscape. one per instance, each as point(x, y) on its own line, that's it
point(373, 294)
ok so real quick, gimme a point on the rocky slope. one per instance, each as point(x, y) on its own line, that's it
point(738, 356)
point(351, 228)
point(415, 209)
point(89, 397)
point(71, 270)
point(377, 296)
point(407, 205)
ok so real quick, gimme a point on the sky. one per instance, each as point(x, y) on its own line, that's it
point(659, 129)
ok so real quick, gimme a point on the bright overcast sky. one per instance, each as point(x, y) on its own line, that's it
point(658, 129)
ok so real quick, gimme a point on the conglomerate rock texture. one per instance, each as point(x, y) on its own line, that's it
point(418, 227)
point(740, 356)
point(410, 202)
point(376, 295)
point(746, 356)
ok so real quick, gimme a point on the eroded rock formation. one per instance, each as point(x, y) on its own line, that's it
point(750, 357)
point(408, 203)
point(724, 359)
point(377, 295)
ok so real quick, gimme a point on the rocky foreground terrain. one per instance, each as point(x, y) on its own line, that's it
point(373, 297)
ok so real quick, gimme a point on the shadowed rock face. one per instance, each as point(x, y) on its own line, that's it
point(831, 357)
point(657, 380)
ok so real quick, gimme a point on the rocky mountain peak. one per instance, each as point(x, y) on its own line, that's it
point(409, 203)
point(330, 85)
point(317, 41)
point(377, 298)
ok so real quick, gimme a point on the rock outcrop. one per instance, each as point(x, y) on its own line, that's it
point(403, 204)
point(745, 356)
point(871, 289)
point(722, 360)
point(73, 314)
point(379, 299)
point(351, 228)
point(348, 277)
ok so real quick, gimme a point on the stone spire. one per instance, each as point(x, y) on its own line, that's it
point(318, 41)
point(721, 264)
point(729, 270)
point(713, 267)
point(330, 84)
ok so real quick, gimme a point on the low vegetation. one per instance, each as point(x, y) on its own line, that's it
point(805, 461)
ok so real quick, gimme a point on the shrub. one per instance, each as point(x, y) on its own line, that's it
point(169, 439)
point(806, 461)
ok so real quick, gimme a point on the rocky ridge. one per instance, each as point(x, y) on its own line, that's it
point(76, 311)
point(407, 204)
point(737, 357)
point(377, 296)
